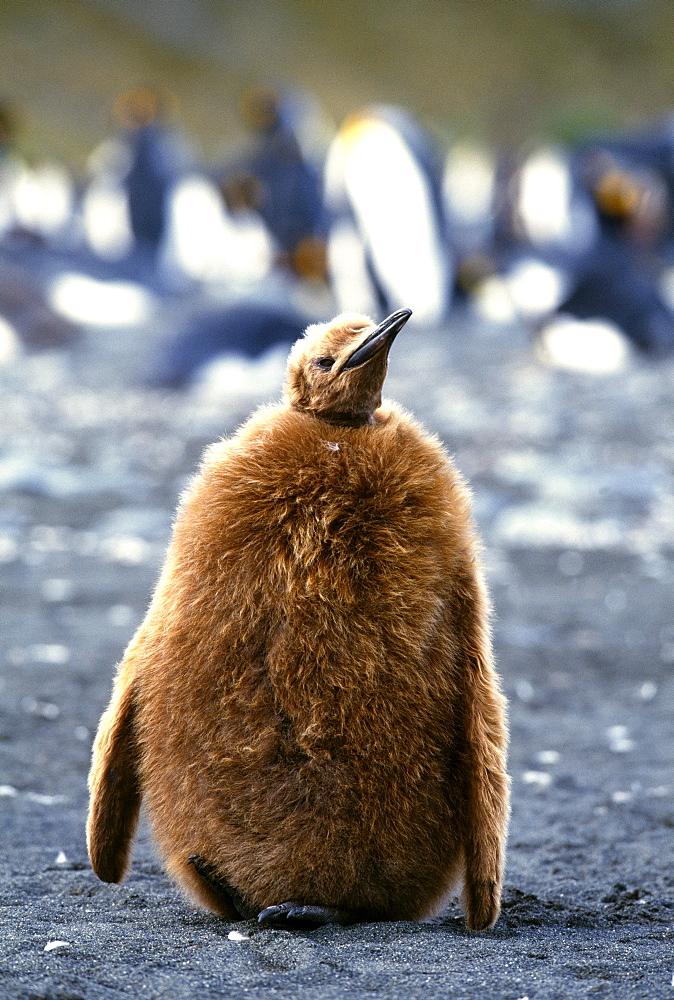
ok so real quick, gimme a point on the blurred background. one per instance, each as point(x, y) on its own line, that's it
point(515, 161)
point(503, 72)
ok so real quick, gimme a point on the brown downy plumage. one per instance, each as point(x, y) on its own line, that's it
point(309, 709)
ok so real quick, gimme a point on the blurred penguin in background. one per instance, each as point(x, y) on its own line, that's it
point(619, 280)
point(37, 199)
point(127, 205)
point(156, 162)
point(278, 174)
point(646, 154)
point(527, 229)
point(389, 243)
point(246, 328)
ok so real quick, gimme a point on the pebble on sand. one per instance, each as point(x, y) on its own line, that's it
point(127, 549)
point(667, 652)
point(621, 797)
point(46, 800)
point(9, 549)
point(648, 690)
point(120, 615)
point(49, 653)
point(56, 590)
point(524, 690)
point(52, 945)
point(45, 709)
point(237, 936)
point(541, 779)
point(619, 740)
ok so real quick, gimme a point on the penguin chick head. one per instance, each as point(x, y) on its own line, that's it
point(337, 369)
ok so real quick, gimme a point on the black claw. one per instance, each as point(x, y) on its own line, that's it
point(277, 912)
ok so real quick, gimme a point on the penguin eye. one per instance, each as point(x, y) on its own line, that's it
point(325, 363)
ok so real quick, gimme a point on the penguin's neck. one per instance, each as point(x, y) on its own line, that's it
point(346, 419)
point(340, 418)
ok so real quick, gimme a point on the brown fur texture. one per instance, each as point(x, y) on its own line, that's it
point(310, 703)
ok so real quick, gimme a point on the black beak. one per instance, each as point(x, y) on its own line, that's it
point(380, 339)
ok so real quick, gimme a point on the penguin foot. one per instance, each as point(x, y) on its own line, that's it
point(221, 887)
point(294, 916)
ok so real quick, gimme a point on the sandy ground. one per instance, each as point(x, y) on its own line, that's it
point(573, 490)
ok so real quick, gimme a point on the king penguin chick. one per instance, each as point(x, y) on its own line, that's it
point(310, 709)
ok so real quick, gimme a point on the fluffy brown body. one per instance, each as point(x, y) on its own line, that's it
point(310, 703)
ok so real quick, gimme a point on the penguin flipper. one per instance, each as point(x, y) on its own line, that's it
point(114, 785)
point(488, 806)
point(299, 917)
point(483, 904)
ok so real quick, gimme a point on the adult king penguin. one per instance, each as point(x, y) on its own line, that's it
point(310, 709)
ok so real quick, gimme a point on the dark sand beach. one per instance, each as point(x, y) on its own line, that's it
point(572, 475)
